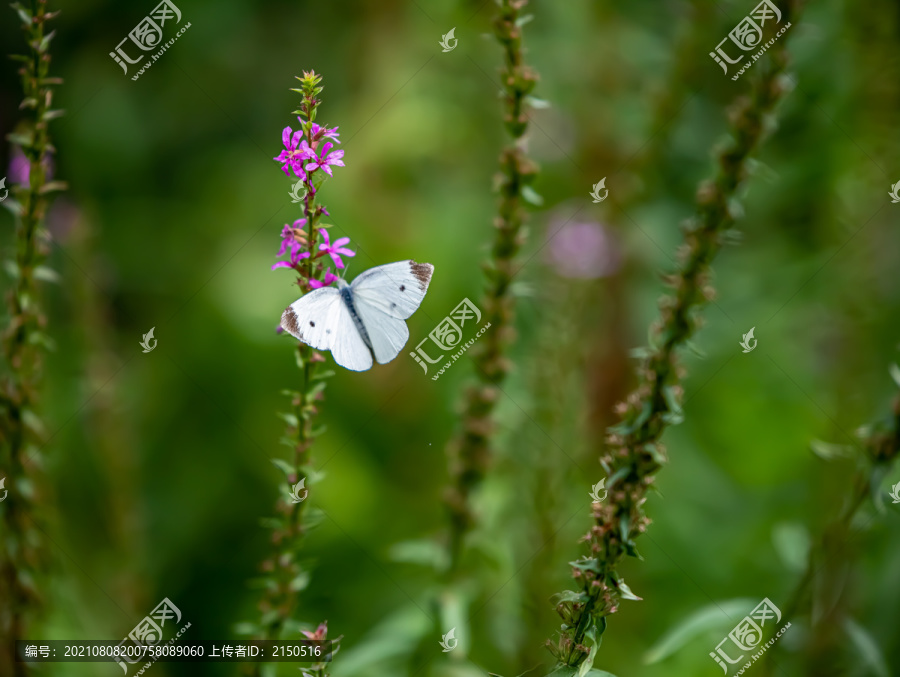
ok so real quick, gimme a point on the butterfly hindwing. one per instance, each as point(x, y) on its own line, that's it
point(396, 289)
point(349, 349)
point(387, 334)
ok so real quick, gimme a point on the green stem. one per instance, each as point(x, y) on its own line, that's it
point(634, 453)
point(23, 550)
point(470, 451)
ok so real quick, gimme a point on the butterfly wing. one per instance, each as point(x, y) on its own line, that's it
point(396, 289)
point(384, 297)
point(349, 349)
point(314, 317)
point(321, 319)
point(387, 334)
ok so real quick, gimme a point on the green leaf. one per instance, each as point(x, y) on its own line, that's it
point(537, 103)
point(563, 671)
point(284, 466)
point(895, 374)
point(300, 582)
point(569, 596)
point(532, 196)
point(792, 543)
point(20, 138)
point(599, 673)
point(867, 647)
point(290, 419)
point(395, 637)
point(11, 268)
point(424, 552)
point(830, 452)
point(33, 422)
point(53, 186)
point(719, 617)
point(655, 453)
point(453, 612)
point(626, 593)
point(45, 42)
point(46, 274)
point(53, 114)
point(674, 416)
point(522, 20)
point(23, 13)
point(619, 474)
point(587, 564)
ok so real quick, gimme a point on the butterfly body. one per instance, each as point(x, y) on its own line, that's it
point(362, 320)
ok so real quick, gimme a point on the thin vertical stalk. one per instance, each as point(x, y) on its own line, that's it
point(829, 554)
point(634, 452)
point(470, 450)
point(22, 549)
point(306, 153)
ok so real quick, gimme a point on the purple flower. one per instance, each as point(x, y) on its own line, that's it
point(319, 132)
point(336, 249)
point(329, 278)
point(296, 150)
point(325, 158)
point(584, 250)
point(291, 243)
point(20, 167)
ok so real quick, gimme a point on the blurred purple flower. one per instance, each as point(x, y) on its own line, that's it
point(329, 278)
point(336, 249)
point(325, 158)
point(296, 151)
point(585, 251)
point(291, 243)
point(20, 168)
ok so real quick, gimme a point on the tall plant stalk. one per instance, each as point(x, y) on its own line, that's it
point(22, 547)
point(309, 155)
point(469, 451)
point(830, 554)
point(634, 452)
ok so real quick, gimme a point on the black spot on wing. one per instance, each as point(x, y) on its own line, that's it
point(402, 287)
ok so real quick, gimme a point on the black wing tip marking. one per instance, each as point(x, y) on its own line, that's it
point(422, 272)
point(290, 323)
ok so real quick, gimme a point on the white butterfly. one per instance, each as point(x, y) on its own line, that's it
point(355, 321)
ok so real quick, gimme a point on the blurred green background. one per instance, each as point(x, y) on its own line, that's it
point(159, 462)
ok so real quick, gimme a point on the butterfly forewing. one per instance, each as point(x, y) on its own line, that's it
point(314, 318)
point(396, 289)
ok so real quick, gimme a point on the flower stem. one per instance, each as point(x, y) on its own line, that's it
point(23, 549)
point(470, 450)
point(634, 453)
point(284, 577)
point(830, 554)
